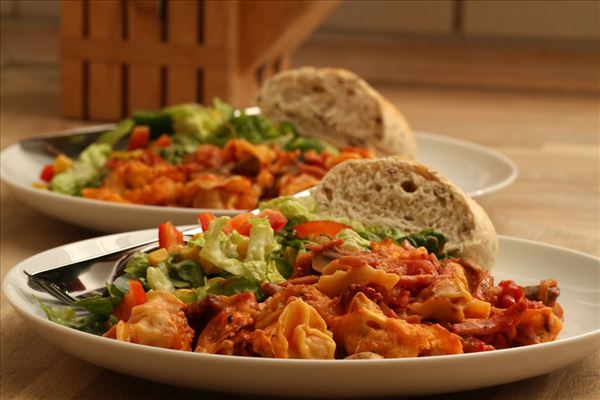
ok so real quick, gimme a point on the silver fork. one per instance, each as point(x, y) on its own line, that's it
point(88, 276)
point(51, 288)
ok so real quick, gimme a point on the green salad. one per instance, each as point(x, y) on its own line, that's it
point(232, 255)
point(186, 126)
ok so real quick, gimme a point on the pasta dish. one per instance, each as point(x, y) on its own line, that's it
point(290, 283)
point(194, 156)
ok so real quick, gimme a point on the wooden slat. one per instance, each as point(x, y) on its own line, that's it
point(222, 31)
point(158, 53)
point(105, 77)
point(270, 28)
point(182, 28)
point(144, 80)
point(71, 68)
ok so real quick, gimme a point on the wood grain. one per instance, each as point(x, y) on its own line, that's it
point(72, 77)
point(268, 28)
point(182, 28)
point(144, 91)
point(461, 62)
point(553, 138)
point(104, 94)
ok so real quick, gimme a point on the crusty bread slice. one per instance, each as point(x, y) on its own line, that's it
point(337, 106)
point(392, 192)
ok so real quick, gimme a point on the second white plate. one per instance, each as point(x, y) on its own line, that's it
point(476, 169)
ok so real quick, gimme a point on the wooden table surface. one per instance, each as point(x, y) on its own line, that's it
point(554, 139)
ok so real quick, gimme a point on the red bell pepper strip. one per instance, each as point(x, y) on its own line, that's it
point(139, 138)
point(205, 219)
point(327, 228)
point(47, 173)
point(163, 141)
point(275, 217)
point(134, 297)
point(168, 235)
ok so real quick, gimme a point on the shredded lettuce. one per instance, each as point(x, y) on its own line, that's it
point(221, 252)
point(67, 316)
point(353, 241)
point(432, 240)
point(188, 271)
point(97, 305)
point(138, 264)
point(228, 286)
point(86, 171)
point(296, 210)
point(120, 131)
point(157, 280)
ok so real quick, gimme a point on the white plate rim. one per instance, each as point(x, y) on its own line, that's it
point(493, 153)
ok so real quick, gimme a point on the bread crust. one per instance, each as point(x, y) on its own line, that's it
point(338, 106)
point(391, 192)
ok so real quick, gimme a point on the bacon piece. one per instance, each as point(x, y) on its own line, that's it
point(481, 327)
point(212, 304)
point(303, 264)
point(303, 280)
point(417, 281)
point(474, 345)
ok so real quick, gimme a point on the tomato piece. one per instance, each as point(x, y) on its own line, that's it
point(168, 235)
point(134, 297)
point(241, 223)
point(47, 173)
point(137, 292)
point(139, 138)
point(163, 141)
point(328, 228)
point(510, 294)
point(204, 220)
point(275, 217)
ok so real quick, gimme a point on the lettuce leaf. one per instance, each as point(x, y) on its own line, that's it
point(221, 252)
point(228, 287)
point(296, 210)
point(67, 316)
point(137, 265)
point(353, 241)
point(86, 171)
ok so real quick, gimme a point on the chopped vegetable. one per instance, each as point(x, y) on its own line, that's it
point(47, 173)
point(139, 139)
point(134, 296)
point(62, 163)
point(163, 141)
point(204, 220)
point(86, 171)
point(157, 280)
point(168, 235)
point(316, 228)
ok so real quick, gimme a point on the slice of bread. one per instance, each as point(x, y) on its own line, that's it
point(391, 192)
point(337, 106)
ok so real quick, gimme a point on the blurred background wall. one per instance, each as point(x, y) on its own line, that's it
point(524, 45)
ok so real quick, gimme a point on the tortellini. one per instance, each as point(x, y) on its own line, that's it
point(449, 299)
point(365, 328)
point(299, 332)
point(159, 322)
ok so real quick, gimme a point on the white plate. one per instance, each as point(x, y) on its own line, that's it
point(475, 169)
point(524, 261)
